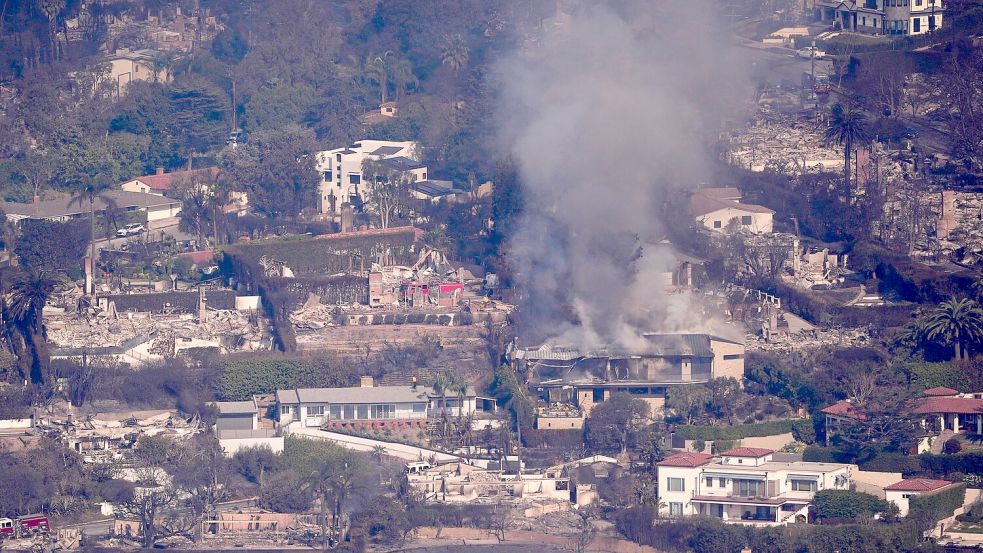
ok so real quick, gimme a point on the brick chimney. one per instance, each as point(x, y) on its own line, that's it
point(160, 171)
point(367, 382)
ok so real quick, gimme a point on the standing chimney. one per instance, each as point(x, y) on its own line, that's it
point(367, 382)
point(160, 171)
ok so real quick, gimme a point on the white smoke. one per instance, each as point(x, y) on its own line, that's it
point(615, 105)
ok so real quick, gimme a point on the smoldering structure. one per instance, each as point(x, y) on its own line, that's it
point(608, 114)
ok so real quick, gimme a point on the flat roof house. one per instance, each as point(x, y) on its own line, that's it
point(238, 426)
point(341, 170)
point(316, 407)
point(744, 485)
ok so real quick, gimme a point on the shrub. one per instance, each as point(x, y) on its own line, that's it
point(952, 446)
point(804, 431)
point(925, 510)
point(770, 428)
point(240, 379)
point(699, 446)
point(833, 504)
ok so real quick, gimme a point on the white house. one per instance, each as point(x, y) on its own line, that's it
point(901, 492)
point(889, 17)
point(745, 485)
point(366, 403)
point(238, 426)
point(720, 210)
point(341, 169)
point(126, 66)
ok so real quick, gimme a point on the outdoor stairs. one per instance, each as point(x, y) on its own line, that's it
point(940, 440)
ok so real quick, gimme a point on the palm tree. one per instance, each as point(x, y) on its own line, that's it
point(402, 77)
point(25, 304)
point(377, 71)
point(441, 385)
point(958, 321)
point(89, 193)
point(455, 53)
point(460, 386)
point(848, 129)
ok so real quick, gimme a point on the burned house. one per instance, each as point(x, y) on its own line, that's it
point(566, 376)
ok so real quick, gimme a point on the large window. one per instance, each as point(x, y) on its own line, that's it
point(745, 220)
point(419, 407)
point(676, 485)
point(327, 176)
point(335, 412)
point(748, 488)
point(315, 410)
point(383, 411)
point(675, 509)
point(354, 178)
point(803, 485)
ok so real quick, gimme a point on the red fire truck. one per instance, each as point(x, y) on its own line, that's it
point(24, 526)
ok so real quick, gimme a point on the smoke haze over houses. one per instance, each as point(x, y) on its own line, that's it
point(615, 105)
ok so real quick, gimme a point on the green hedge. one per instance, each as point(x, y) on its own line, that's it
point(926, 510)
point(759, 429)
point(936, 466)
point(846, 504)
point(239, 379)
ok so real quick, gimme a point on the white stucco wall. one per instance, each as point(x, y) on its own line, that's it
point(231, 446)
point(760, 222)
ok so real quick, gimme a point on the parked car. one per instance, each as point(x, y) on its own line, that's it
point(130, 230)
point(811, 52)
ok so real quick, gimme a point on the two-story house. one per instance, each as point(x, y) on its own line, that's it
point(342, 180)
point(721, 210)
point(889, 17)
point(745, 485)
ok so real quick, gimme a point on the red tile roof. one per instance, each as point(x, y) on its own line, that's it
point(959, 405)
point(687, 459)
point(166, 180)
point(199, 257)
point(940, 391)
point(918, 485)
point(748, 452)
point(844, 408)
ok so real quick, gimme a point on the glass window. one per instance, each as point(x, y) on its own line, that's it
point(327, 176)
point(676, 485)
point(675, 509)
point(335, 412)
point(709, 482)
point(349, 412)
point(748, 488)
point(419, 407)
point(803, 486)
point(723, 482)
point(745, 219)
point(315, 411)
point(284, 409)
point(363, 412)
point(383, 411)
point(354, 178)
point(337, 158)
point(716, 224)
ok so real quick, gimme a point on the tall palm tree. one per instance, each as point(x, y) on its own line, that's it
point(460, 387)
point(441, 385)
point(88, 194)
point(25, 305)
point(455, 53)
point(402, 77)
point(377, 70)
point(958, 321)
point(848, 129)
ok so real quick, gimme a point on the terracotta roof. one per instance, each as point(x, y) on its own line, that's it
point(166, 180)
point(748, 452)
point(702, 204)
point(940, 391)
point(199, 257)
point(917, 485)
point(843, 408)
point(687, 459)
point(959, 405)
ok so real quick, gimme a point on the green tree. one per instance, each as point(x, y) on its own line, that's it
point(848, 129)
point(198, 117)
point(376, 70)
point(50, 246)
point(28, 295)
point(276, 169)
point(402, 77)
point(958, 322)
point(615, 423)
point(688, 402)
point(847, 504)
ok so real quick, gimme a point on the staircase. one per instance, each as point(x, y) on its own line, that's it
point(940, 440)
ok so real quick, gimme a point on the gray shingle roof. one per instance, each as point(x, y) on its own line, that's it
point(386, 150)
point(235, 407)
point(58, 206)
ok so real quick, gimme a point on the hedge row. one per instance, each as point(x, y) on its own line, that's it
point(910, 465)
point(758, 429)
point(847, 504)
point(926, 510)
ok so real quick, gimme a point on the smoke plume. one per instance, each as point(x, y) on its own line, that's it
point(614, 106)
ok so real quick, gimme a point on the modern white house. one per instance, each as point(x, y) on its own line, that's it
point(901, 492)
point(341, 170)
point(721, 210)
point(887, 17)
point(238, 426)
point(744, 485)
point(315, 407)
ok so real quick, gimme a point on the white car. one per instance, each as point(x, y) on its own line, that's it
point(130, 230)
point(811, 52)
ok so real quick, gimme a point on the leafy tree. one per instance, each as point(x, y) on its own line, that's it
point(688, 402)
point(277, 104)
point(241, 378)
point(847, 504)
point(284, 492)
point(956, 321)
point(848, 129)
point(198, 117)
point(25, 304)
point(276, 169)
point(49, 246)
point(952, 446)
point(229, 47)
point(615, 423)
point(387, 190)
point(255, 462)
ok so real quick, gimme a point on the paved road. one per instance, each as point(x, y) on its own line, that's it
point(772, 65)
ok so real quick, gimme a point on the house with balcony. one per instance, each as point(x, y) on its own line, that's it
point(342, 176)
point(884, 17)
point(745, 485)
point(367, 404)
